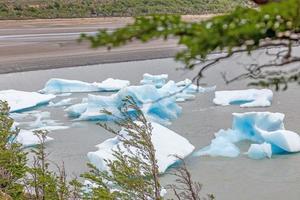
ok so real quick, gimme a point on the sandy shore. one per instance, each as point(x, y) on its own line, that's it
point(52, 43)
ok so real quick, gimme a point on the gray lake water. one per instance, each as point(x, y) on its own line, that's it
point(227, 178)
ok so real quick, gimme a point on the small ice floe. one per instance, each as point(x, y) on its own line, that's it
point(20, 100)
point(112, 85)
point(156, 80)
point(244, 98)
point(183, 90)
point(265, 129)
point(260, 151)
point(64, 102)
point(27, 138)
point(166, 142)
point(147, 97)
point(43, 122)
point(56, 85)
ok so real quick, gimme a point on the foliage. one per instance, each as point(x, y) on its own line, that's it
point(43, 183)
point(186, 188)
point(243, 30)
point(133, 175)
point(12, 158)
point(22, 9)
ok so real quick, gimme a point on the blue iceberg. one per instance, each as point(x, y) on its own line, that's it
point(260, 151)
point(56, 85)
point(265, 129)
point(152, 102)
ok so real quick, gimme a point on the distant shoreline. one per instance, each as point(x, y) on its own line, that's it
point(39, 44)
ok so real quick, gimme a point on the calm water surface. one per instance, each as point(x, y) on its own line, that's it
point(228, 178)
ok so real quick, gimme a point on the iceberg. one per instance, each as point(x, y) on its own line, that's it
point(183, 90)
point(43, 123)
point(244, 98)
point(21, 100)
point(265, 129)
point(56, 85)
point(156, 80)
point(166, 142)
point(27, 138)
point(219, 146)
point(260, 151)
point(112, 85)
point(191, 88)
point(64, 102)
point(147, 97)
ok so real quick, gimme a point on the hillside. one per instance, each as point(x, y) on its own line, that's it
point(28, 9)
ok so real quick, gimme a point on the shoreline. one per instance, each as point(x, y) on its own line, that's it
point(39, 44)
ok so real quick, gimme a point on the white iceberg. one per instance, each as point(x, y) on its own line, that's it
point(191, 88)
point(244, 98)
point(166, 142)
point(183, 90)
point(260, 151)
point(156, 80)
point(147, 97)
point(112, 85)
point(56, 85)
point(265, 128)
point(27, 138)
point(64, 102)
point(21, 100)
point(43, 122)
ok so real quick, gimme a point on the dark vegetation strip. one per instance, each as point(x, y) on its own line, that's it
point(30, 9)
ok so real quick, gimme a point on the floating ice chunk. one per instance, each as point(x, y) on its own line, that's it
point(111, 85)
point(76, 110)
point(265, 128)
point(156, 80)
point(171, 89)
point(28, 138)
point(20, 100)
point(260, 151)
point(166, 142)
point(64, 102)
point(244, 98)
point(146, 97)
point(56, 85)
point(219, 146)
point(191, 88)
point(183, 90)
point(286, 140)
point(43, 123)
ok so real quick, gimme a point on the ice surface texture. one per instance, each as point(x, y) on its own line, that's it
point(56, 85)
point(147, 97)
point(166, 142)
point(20, 100)
point(266, 129)
point(244, 98)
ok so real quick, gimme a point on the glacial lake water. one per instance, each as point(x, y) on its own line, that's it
point(227, 178)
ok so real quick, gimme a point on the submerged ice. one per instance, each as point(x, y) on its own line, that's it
point(148, 98)
point(166, 142)
point(21, 100)
point(265, 129)
point(244, 98)
point(56, 85)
